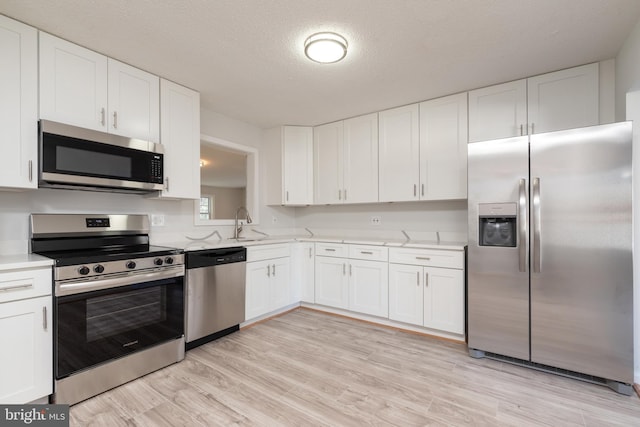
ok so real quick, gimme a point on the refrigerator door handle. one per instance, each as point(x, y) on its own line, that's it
point(536, 226)
point(522, 225)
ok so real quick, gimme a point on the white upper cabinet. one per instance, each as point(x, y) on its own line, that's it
point(86, 89)
point(360, 162)
point(73, 84)
point(560, 100)
point(297, 159)
point(498, 111)
point(134, 102)
point(443, 148)
point(18, 104)
point(180, 137)
point(563, 100)
point(346, 161)
point(328, 155)
point(399, 141)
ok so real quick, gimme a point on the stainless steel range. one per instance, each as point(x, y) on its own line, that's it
point(119, 302)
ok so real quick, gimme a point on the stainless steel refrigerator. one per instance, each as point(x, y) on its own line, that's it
point(550, 274)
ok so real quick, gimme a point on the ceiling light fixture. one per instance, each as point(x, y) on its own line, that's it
point(325, 48)
point(203, 163)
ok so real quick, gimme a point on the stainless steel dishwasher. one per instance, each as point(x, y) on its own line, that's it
point(215, 285)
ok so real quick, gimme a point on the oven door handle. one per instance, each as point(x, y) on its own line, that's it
point(117, 280)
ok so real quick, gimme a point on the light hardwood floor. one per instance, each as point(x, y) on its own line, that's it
point(311, 368)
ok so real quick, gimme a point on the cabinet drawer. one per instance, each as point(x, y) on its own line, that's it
point(374, 253)
point(21, 284)
point(261, 252)
point(332, 249)
point(427, 257)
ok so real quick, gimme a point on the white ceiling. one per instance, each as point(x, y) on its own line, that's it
point(245, 56)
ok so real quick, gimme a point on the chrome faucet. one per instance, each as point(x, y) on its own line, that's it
point(238, 228)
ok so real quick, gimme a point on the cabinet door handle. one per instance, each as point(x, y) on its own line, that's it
point(115, 120)
point(329, 250)
point(102, 116)
point(426, 280)
point(366, 253)
point(273, 267)
point(339, 194)
point(268, 271)
point(166, 184)
point(415, 190)
point(424, 258)
point(310, 254)
point(345, 194)
point(44, 317)
point(417, 278)
point(30, 170)
point(533, 129)
point(422, 189)
point(15, 288)
point(344, 269)
point(287, 196)
point(521, 130)
point(350, 269)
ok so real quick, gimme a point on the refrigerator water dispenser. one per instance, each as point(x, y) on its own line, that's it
point(497, 224)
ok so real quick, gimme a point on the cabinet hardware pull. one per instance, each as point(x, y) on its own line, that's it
point(273, 270)
point(344, 269)
point(166, 184)
point(533, 128)
point(287, 195)
point(426, 280)
point(350, 269)
point(30, 170)
point(417, 278)
point(310, 253)
point(14, 288)
point(268, 271)
point(102, 116)
point(415, 190)
point(366, 252)
point(423, 258)
point(339, 194)
point(423, 189)
point(115, 120)
point(345, 194)
point(44, 317)
point(521, 130)
point(329, 250)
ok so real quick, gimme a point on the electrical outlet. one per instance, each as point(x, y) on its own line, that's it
point(375, 220)
point(157, 220)
point(274, 219)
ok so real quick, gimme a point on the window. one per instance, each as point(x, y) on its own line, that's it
point(206, 207)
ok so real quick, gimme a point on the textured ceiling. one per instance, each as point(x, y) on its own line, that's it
point(245, 56)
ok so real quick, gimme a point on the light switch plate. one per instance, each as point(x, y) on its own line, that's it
point(157, 220)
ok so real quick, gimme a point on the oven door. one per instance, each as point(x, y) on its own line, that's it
point(97, 326)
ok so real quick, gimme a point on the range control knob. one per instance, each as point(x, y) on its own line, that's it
point(130, 265)
point(168, 260)
point(158, 261)
point(98, 268)
point(84, 270)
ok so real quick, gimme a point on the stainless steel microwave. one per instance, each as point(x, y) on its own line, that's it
point(83, 159)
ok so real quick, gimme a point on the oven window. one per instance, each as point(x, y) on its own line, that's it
point(95, 327)
point(114, 314)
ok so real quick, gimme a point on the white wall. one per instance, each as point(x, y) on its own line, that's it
point(226, 200)
point(628, 108)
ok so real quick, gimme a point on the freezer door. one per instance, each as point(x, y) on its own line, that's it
point(581, 258)
point(498, 272)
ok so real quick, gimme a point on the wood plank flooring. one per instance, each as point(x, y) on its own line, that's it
point(308, 368)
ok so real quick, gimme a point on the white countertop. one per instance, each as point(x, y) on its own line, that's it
point(18, 261)
point(194, 245)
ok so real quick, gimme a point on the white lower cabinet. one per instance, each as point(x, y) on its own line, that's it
point(303, 272)
point(26, 357)
point(352, 284)
point(432, 297)
point(268, 282)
